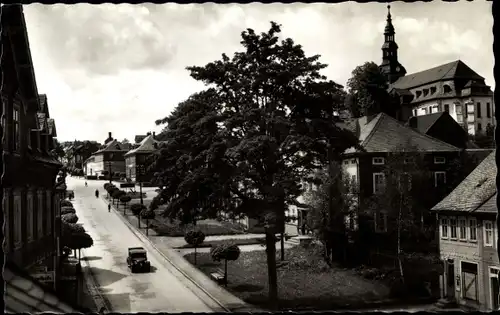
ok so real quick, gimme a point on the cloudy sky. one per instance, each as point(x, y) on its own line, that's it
point(119, 68)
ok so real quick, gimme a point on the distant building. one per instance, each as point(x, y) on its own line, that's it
point(452, 87)
point(441, 126)
point(468, 240)
point(135, 159)
point(110, 158)
point(30, 200)
point(80, 151)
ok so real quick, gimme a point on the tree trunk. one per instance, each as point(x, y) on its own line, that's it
point(195, 255)
point(400, 214)
point(225, 272)
point(271, 267)
point(147, 227)
point(139, 221)
point(282, 246)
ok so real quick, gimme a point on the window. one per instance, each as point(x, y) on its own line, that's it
point(458, 109)
point(453, 228)
point(488, 110)
point(472, 230)
point(419, 93)
point(17, 221)
point(478, 110)
point(488, 233)
point(444, 228)
point(433, 90)
point(29, 221)
point(430, 109)
point(16, 130)
point(447, 108)
point(469, 280)
point(378, 161)
point(470, 118)
point(479, 127)
point(48, 214)
point(439, 160)
point(447, 88)
point(353, 161)
point(40, 214)
point(426, 110)
point(381, 222)
point(426, 91)
point(462, 229)
point(346, 162)
point(439, 179)
point(378, 183)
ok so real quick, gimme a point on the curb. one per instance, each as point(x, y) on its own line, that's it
point(92, 286)
point(142, 236)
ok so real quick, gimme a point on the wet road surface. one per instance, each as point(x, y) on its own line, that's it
point(162, 290)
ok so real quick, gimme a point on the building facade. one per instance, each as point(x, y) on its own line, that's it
point(136, 159)
point(109, 159)
point(452, 87)
point(467, 245)
point(30, 200)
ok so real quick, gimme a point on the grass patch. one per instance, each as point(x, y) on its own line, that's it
point(236, 241)
point(164, 227)
point(304, 281)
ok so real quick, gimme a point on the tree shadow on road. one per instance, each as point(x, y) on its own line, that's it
point(106, 277)
point(90, 258)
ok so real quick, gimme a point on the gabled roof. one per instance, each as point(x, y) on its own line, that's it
point(425, 122)
point(139, 138)
point(384, 134)
point(476, 192)
point(44, 108)
point(147, 145)
point(112, 146)
point(42, 121)
point(52, 127)
point(452, 70)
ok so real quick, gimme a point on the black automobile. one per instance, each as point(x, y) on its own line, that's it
point(137, 260)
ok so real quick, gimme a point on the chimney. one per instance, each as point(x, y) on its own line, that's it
point(154, 134)
point(109, 134)
point(413, 122)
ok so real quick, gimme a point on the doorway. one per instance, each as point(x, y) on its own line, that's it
point(450, 279)
point(494, 289)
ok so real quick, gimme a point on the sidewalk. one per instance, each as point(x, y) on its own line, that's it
point(228, 300)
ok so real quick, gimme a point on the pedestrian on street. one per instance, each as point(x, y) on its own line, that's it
point(97, 193)
point(109, 207)
point(85, 183)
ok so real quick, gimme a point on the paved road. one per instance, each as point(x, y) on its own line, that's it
point(162, 290)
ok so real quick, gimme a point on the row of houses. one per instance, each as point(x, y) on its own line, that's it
point(127, 161)
point(29, 192)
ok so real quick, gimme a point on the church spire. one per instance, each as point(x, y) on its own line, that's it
point(390, 65)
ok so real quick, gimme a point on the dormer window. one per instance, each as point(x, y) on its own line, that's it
point(426, 91)
point(378, 161)
point(439, 160)
point(447, 88)
point(433, 90)
point(419, 93)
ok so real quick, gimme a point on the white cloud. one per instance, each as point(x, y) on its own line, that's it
point(120, 67)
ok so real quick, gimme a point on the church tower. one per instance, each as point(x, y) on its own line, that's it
point(390, 66)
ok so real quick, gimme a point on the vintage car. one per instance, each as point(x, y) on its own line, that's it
point(137, 260)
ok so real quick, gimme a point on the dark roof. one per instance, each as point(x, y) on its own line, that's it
point(386, 134)
point(425, 122)
point(52, 127)
point(139, 138)
point(452, 70)
point(402, 91)
point(42, 121)
point(43, 103)
point(111, 146)
point(474, 191)
point(147, 145)
point(24, 294)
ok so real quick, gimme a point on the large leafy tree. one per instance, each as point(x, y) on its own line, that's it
point(271, 113)
point(58, 151)
point(367, 90)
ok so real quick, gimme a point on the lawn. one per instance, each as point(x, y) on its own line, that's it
point(236, 241)
point(164, 227)
point(305, 282)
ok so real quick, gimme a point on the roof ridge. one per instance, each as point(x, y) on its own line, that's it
point(440, 115)
point(455, 66)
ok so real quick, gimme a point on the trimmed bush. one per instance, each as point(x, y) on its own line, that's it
point(194, 238)
point(225, 252)
point(69, 218)
point(136, 208)
point(125, 198)
point(71, 228)
point(91, 177)
point(67, 210)
point(148, 214)
point(66, 203)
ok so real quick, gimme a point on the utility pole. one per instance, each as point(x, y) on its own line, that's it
point(109, 170)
